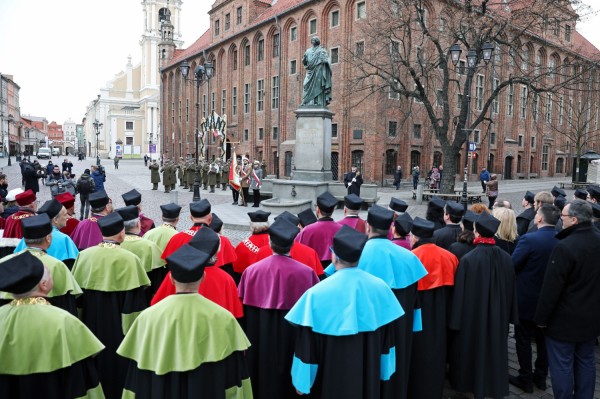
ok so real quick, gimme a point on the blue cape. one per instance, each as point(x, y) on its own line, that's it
point(62, 246)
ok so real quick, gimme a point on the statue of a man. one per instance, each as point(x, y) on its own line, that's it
point(317, 82)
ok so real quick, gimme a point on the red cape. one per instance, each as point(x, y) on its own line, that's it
point(72, 223)
point(356, 223)
point(440, 264)
point(225, 255)
point(300, 252)
point(12, 227)
point(247, 250)
point(218, 286)
point(146, 224)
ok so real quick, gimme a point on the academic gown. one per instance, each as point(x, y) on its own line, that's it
point(346, 349)
point(269, 289)
point(460, 249)
point(87, 234)
point(225, 256)
point(400, 269)
point(65, 291)
point(483, 304)
point(247, 250)
point(402, 242)
point(355, 222)
point(217, 286)
point(186, 347)
point(161, 235)
point(113, 282)
point(46, 353)
point(524, 220)
point(146, 224)
point(62, 247)
point(429, 347)
point(447, 235)
point(319, 236)
point(300, 252)
point(149, 255)
point(13, 231)
point(72, 223)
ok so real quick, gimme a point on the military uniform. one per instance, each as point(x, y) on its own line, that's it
point(205, 168)
point(181, 172)
point(225, 176)
point(154, 175)
point(191, 175)
point(173, 174)
point(212, 176)
point(165, 170)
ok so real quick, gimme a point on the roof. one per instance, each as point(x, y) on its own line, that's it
point(584, 47)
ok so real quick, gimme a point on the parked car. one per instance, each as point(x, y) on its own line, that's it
point(43, 153)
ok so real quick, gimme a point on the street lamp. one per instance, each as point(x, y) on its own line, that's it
point(18, 126)
point(10, 120)
point(472, 60)
point(97, 126)
point(200, 73)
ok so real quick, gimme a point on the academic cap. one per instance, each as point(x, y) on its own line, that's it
point(529, 197)
point(282, 232)
point(129, 212)
point(216, 224)
point(379, 217)
point(596, 210)
point(37, 226)
point(560, 202)
point(25, 198)
point(422, 228)
point(486, 225)
point(307, 217)
point(51, 208)
point(468, 220)
point(348, 244)
point(259, 216)
point(98, 199)
point(403, 223)
point(454, 208)
point(170, 211)
point(353, 202)
point(581, 194)
point(437, 202)
point(187, 263)
point(132, 197)
point(206, 240)
point(111, 224)
point(66, 199)
point(556, 191)
point(594, 192)
point(290, 217)
point(21, 273)
point(200, 209)
point(398, 205)
point(327, 202)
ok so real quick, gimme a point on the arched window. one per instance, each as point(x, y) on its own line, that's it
point(415, 159)
point(390, 162)
point(357, 159)
point(560, 165)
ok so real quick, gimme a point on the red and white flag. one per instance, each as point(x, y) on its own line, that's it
point(234, 177)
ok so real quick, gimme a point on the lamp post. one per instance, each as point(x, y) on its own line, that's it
point(200, 73)
point(10, 120)
point(18, 126)
point(97, 126)
point(473, 56)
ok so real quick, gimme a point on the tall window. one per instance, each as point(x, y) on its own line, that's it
point(260, 95)
point(335, 18)
point(510, 99)
point(479, 93)
point(559, 165)
point(312, 26)
point(335, 55)
point(437, 158)
point(246, 135)
point(217, 27)
point(223, 101)
point(260, 53)
point(545, 148)
point(390, 162)
point(561, 110)
point(392, 128)
point(476, 136)
point(234, 101)
point(495, 101)
point(187, 109)
point(227, 21)
point(568, 33)
point(415, 158)
point(360, 48)
point(293, 67)
point(361, 10)
point(523, 113)
point(293, 34)
point(276, 45)
point(235, 59)
point(549, 108)
point(247, 55)
point(261, 133)
point(535, 106)
point(275, 132)
point(128, 125)
point(246, 98)
point(213, 102)
point(275, 92)
point(519, 163)
point(357, 159)
point(204, 105)
point(417, 131)
point(238, 15)
point(334, 130)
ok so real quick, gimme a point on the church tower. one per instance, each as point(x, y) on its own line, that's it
point(161, 32)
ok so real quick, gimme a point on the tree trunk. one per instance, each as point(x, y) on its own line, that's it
point(451, 169)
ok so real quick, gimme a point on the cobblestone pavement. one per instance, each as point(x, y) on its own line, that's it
point(133, 174)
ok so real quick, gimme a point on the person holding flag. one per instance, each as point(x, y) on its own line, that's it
point(245, 171)
point(255, 183)
point(234, 178)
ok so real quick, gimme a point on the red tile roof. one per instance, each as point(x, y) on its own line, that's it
point(584, 47)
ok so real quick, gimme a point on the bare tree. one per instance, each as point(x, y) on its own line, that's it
point(407, 52)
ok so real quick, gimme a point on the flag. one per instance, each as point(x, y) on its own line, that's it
point(234, 178)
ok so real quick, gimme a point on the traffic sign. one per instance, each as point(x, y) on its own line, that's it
point(472, 146)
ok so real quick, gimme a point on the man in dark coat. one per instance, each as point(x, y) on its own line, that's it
point(483, 304)
point(530, 258)
point(446, 236)
point(398, 177)
point(30, 177)
point(527, 215)
point(353, 180)
point(568, 304)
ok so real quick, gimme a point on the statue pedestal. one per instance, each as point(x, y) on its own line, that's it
point(312, 156)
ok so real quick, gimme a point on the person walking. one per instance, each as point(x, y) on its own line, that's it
point(85, 186)
point(484, 177)
point(416, 174)
point(398, 177)
point(492, 190)
point(98, 177)
point(145, 159)
point(116, 161)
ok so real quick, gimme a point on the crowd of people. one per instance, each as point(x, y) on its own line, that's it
point(390, 306)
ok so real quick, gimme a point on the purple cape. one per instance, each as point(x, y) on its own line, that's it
point(319, 236)
point(276, 282)
point(87, 233)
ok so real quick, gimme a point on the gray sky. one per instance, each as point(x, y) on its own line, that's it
point(61, 52)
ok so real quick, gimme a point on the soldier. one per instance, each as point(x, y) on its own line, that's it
point(174, 168)
point(219, 171)
point(191, 175)
point(263, 167)
point(181, 171)
point(212, 176)
point(166, 177)
point(225, 176)
point(205, 169)
point(154, 174)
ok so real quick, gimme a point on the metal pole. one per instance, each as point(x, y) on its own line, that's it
point(9, 120)
point(210, 119)
point(465, 198)
point(196, 174)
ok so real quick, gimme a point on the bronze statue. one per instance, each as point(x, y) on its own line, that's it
point(317, 82)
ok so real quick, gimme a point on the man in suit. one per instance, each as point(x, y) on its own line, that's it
point(530, 258)
point(353, 180)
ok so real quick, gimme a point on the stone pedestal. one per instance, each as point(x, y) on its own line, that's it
point(312, 155)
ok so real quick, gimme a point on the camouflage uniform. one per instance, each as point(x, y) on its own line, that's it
point(225, 176)
point(205, 168)
point(165, 170)
point(154, 175)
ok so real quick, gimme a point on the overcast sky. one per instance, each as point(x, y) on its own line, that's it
point(61, 52)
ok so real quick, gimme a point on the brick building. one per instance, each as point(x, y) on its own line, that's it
point(257, 47)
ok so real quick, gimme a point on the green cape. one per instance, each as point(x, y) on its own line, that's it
point(180, 333)
point(146, 250)
point(109, 268)
point(40, 338)
point(161, 235)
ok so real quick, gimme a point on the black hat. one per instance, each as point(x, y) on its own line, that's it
point(596, 210)
point(349, 243)
point(327, 202)
point(200, 209)
point(206, 240)
point(560, 202)
point(454, 208)
point(403, 223)
point(307, 217)
point(111, 224)
point(187, 263)
point(170, 211)
point(558, 191)
point(21, 273)
point(129, 212)
point(379, 217)
point(86, 171)
point(580, 193)
point(469, 219)
point(486, 225)
point(51, 208)
point(290, 217)
point(422, 228)
point(529, 197)
point(398, 205)
point(98, 199)
point(353, 202)
point(282, 232)
point(437, 202)
point(594, 192)
point(37, 226)
point(132, 197)
point(216, 224)
point(259, 216)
